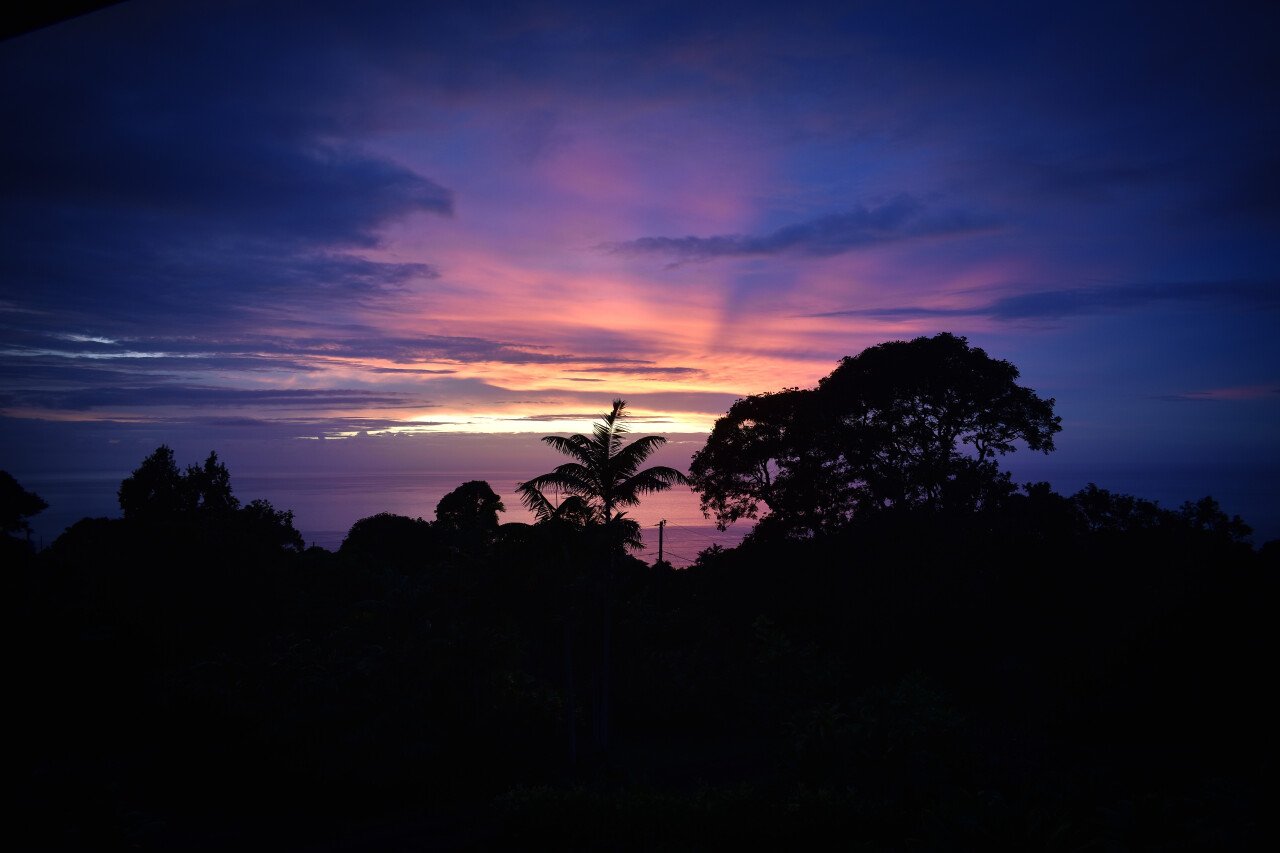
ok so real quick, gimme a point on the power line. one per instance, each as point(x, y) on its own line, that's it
point(696, 533)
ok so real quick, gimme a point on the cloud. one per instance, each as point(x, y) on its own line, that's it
point(640, 370)
point(585, 416)
point(1217, 395)
point(417, 370)
point(125, 396)
point(1071, 302)
point(457, 348)
point(195, 197)
point(903, 218)
point(561, 416)
point(51, 357)
point(710, 402)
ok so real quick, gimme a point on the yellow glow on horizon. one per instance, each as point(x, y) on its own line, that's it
point(640, 423)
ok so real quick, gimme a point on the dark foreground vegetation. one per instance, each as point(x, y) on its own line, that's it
point(1027, 671)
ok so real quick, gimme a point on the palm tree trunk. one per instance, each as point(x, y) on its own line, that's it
point(606, 654)
point(570, 704)
point(600, 693)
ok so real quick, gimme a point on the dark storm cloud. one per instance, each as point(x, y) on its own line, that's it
point(1071, 302)
point(903, 218)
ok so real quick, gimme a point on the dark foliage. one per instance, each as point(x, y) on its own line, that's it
point(17, 505)
point(391, 540)
point(1046, 672)
point(604, 478)
point(165, 503)
point(468, 515)
point(902, 425)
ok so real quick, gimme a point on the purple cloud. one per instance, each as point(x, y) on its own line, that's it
point(860, 227)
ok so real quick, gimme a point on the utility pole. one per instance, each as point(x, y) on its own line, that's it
point(661, 526)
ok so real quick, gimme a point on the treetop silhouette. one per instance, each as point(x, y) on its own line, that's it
point(158, 492)
point(472, 508)
point(605, 474)
point(158, 489)
point(903, 424)
point(17, 505)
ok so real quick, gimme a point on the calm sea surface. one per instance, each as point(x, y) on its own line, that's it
point(325, 505)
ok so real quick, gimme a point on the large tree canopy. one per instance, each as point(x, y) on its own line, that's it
point(903, 424)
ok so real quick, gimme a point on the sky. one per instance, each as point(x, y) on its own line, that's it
point(334, 236)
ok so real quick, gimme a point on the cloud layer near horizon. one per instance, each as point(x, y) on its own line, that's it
point(327, 222)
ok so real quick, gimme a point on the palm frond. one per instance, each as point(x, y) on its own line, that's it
point(577, 446)
point(560, 479)
point(649, 481)
point(535, 500)
point(627, 531)
point(629, 458)
point(603, 473)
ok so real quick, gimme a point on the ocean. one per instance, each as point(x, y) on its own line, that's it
point(326, 504)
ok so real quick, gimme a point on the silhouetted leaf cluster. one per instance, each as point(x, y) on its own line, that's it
point(903, 424)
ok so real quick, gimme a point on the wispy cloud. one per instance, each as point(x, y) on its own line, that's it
point(417, 370)
point(1071, 302)
point(555, 417)
point(202, 396)
point(903, 218)
point(1218, 395)
point(643, 370)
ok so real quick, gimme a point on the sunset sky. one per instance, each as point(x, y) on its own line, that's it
point(246, 226)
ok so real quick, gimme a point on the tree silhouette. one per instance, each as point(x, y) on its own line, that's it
point(17, 505)
point(603, 477)
point(573, 510)
point(158, 489)
point(271, 526)
point(155, 488)
point(395, 540)
point(605, 474)
point(210, 487)
point(200, 498)
point(469, 513)
point(913, 424)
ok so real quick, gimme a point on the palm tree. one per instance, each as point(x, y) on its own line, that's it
point(605, 473)
point(603, 478)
